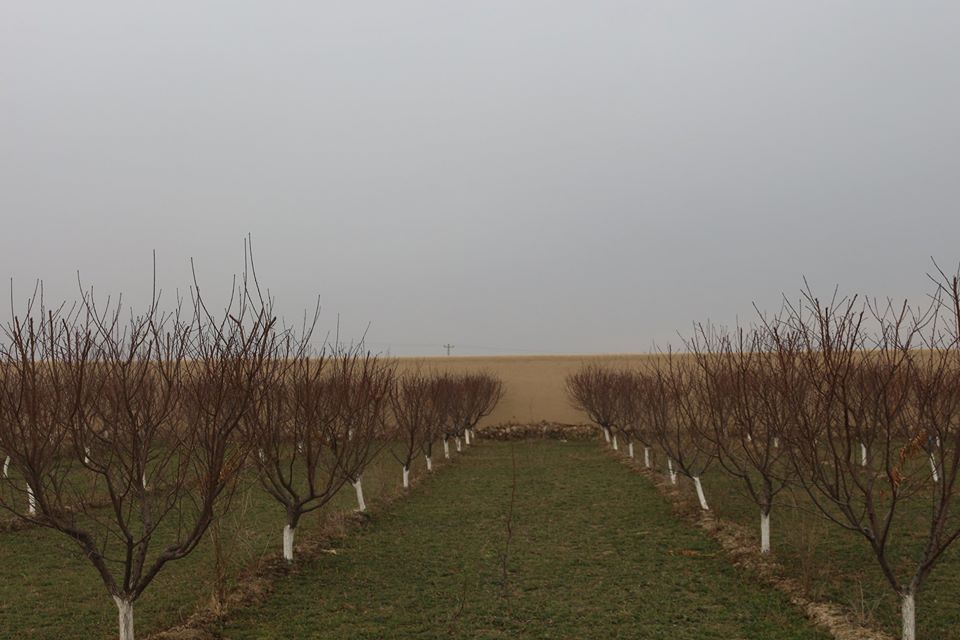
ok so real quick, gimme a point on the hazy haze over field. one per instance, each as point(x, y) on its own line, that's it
point(506, 176)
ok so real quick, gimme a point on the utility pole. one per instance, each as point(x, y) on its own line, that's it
point(448, 347)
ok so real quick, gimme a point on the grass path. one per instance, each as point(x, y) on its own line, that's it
point(595, 553)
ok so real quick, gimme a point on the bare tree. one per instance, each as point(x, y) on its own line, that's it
point(414, 409)
point(483, 392)
point(592, 389)
point(678, 414)
point(746, 413)
point(318, 421)
point(877, 391)
point(93, 406)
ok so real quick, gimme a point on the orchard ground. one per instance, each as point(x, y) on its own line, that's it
point(594, 551)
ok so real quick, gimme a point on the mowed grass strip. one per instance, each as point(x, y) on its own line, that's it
point(594, 552)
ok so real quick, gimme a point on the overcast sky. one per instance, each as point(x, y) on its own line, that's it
point(506, 176)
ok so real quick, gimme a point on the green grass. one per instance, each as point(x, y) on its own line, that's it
point(595, 553)
point(49, 591)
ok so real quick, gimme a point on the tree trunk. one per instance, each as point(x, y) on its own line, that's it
point(702, 498)
point(406, 477)
point(125, 611)
point(606, 434)
point(630, 449)
point(673, 474)
point(6, 467)
point(446, 449)
point(933, 468)
point(764, 531)
point(459, 448)
point(646, 457)
point(616, 447)
point(86, 455)
point(358, 485)
point(776, 442)
point(466, 437)
point(31, 501)
point(863, 455)
point(429, 463)
point(288, 533)
point(908, 613)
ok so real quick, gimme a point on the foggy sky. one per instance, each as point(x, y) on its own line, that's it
point(508, 176)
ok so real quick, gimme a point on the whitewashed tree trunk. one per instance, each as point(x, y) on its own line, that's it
point(466, 437)
point(86, 455)
point(703, 498)
point(260, 455)
point(749, 438)
point(630, 449)
point(429, 463)
point(646, 457)
point(125, 611)
point(606, 434)
point(6, 467)
point(31, 501)
point(863, 455)
point(673, 474)
point(616, 447)
point(446, 449)
point(908, 613)
point(288, 533)
point(143, 479)
point(933, 468)
point(459, 448)
point(358, 485)
point(406, 477)
point(776, 442)
point(764, 532)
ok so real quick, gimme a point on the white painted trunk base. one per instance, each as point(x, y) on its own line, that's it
point(863, 455)
point(125, 617)
point(466, 437)
point(933, 469)
point(764, 532)
point(673, 474)
point(616, 447)
point(459, 448)
point(358, 485)
point(776, 443)
point(606, 435)
point(702, 498)
point(908, 613)
point(406, 477)
point(6, 467)
point(86, 455)
point(630, 449)
point(446, 449)
point(288, 533)
point(429, 463)
point(31, 501)
point(646, 457)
